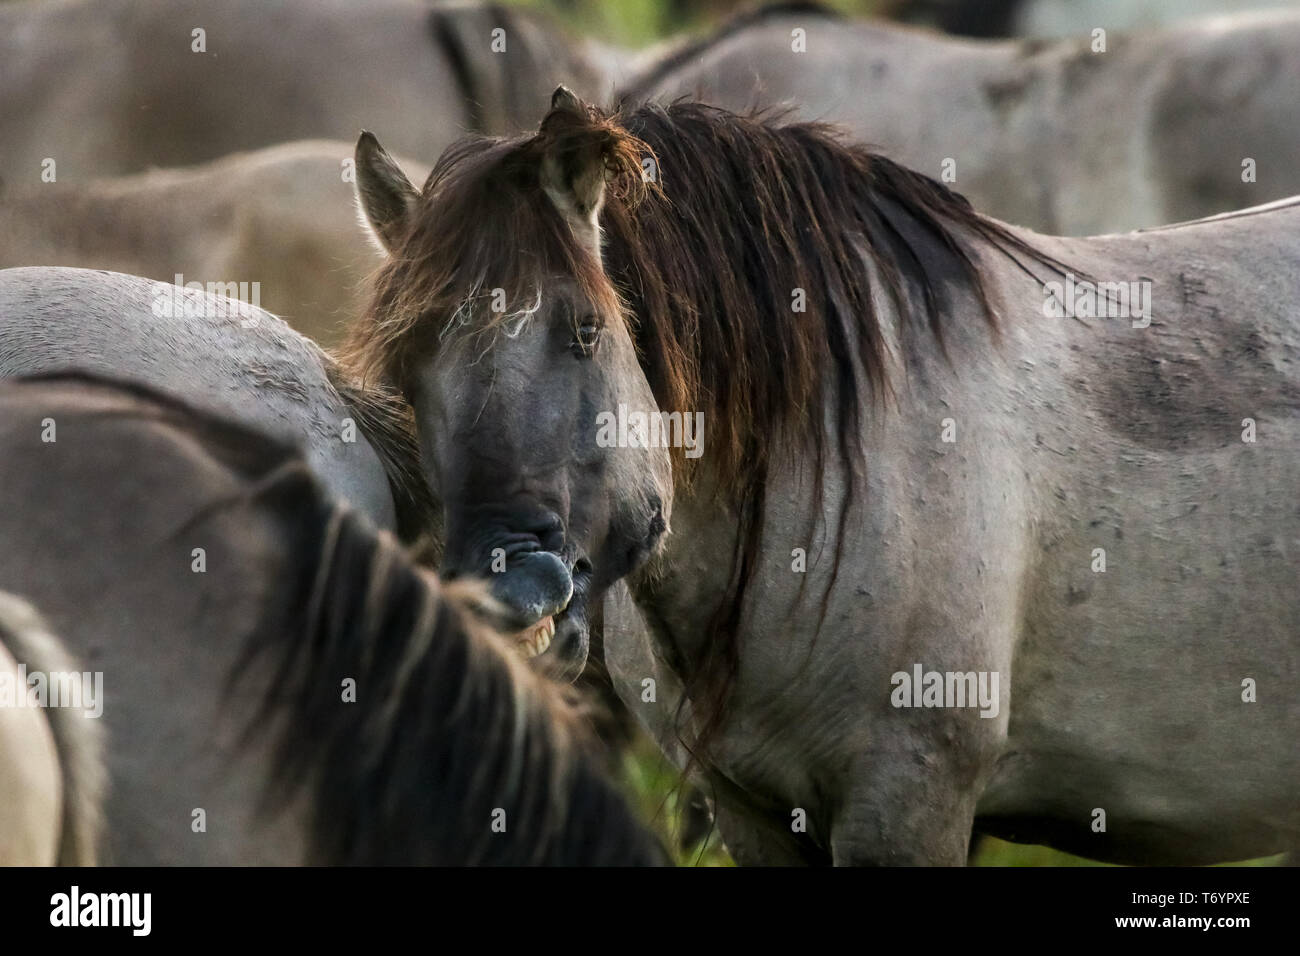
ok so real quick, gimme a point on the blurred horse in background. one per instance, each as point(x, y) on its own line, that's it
point(105, 87)
point(1058, 18)
point(282, 217)
point(1173, 124)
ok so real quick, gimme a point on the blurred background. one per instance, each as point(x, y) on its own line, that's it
point(637, 22)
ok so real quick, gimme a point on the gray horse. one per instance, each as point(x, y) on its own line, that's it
point(243, 74)
point(278, 682)
point(281, 217)
point(226, 356)
point(972, 528)
point(1191, 120)
point(1058, 18)
point(51, 759)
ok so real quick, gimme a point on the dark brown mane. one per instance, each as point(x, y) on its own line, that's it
point(756, 210)
point(746, 210)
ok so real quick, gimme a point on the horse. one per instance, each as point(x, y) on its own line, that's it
point(1058, 18)
point(231, 357)
point(51, 760)
point(1064, 137)
point(280, 219)
point(280, 683)
point(972, 529)
point(238, 75)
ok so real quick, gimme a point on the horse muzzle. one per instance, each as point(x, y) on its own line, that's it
point(544, 599)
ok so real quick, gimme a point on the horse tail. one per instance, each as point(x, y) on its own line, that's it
point(78, 741)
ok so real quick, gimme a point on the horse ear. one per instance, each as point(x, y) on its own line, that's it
point(385, 195)
point(565, 99)
point(573, 174)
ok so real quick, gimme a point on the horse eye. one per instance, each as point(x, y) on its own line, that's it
point(585, 338)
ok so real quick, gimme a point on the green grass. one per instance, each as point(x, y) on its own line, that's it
point(995, 852)
point(651, 784)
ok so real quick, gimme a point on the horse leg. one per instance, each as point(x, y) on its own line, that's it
point(920, 835)
point(753, 840)
point(912, 806)
point(755, 835)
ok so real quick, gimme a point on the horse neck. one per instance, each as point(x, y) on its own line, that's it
point(684, 589)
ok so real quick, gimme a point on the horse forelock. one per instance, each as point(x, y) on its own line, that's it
point(462, 267)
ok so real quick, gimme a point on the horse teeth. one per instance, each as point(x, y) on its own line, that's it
point(536, 639)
